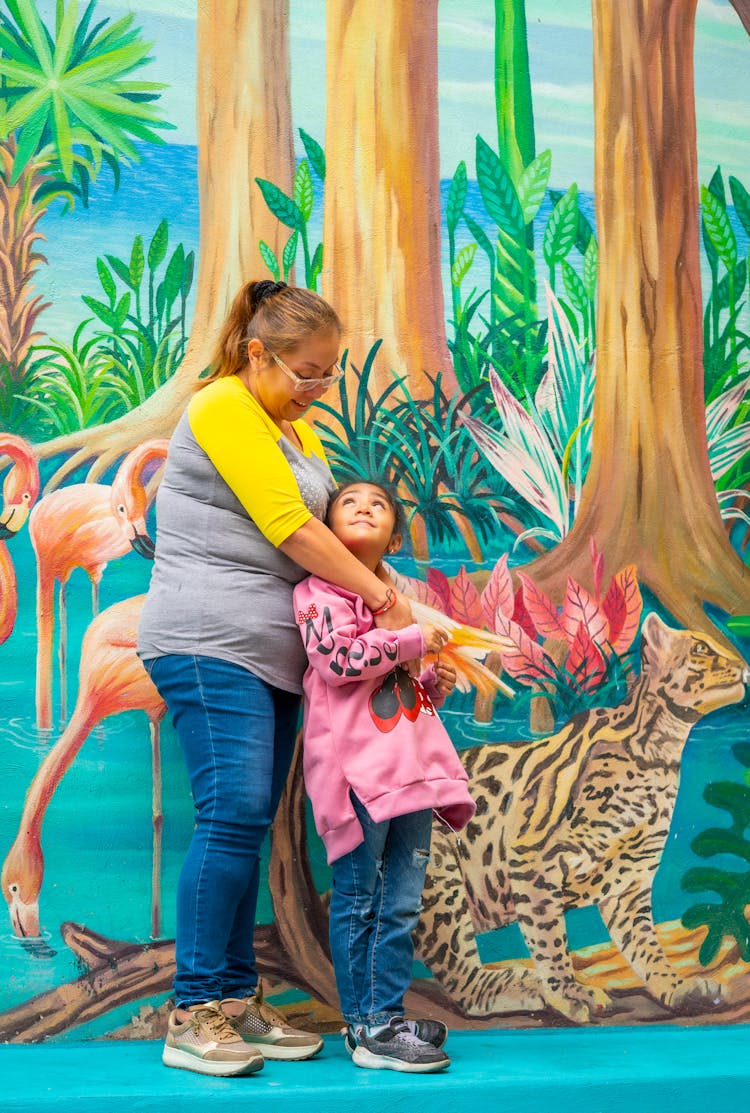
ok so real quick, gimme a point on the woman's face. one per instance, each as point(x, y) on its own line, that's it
point(279, 396)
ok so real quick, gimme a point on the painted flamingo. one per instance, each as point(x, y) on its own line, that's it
point(111, 679)
point(20, 490)
point(84, 526)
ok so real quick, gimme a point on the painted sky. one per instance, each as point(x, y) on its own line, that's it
point(559, 34)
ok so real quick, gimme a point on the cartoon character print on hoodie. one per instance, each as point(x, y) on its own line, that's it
point(399, 694)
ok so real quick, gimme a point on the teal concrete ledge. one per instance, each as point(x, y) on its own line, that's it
point(600, 1070)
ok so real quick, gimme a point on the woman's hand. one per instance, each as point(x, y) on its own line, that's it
point(435, 638)
point(396, 617)
point(445, 677)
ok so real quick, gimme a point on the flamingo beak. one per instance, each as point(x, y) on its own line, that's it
point(13, 519)
point(24, 918)
point(143, 545)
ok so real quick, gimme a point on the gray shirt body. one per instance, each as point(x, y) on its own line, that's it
point(219, 588)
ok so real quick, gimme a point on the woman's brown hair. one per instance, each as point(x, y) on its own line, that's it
point(280, 316)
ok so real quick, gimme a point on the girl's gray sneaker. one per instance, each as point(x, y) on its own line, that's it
point(396, 1047)
point(429, 1031)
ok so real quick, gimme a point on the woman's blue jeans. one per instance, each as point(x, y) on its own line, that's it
point(376, 900)
point(237, 734)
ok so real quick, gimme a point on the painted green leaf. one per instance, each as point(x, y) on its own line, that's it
point(270, 260)
point(741, 202)
point(497, 190)
point(304, 195)
point(481, 237)
point(122, 310)
point(103, 312)
point(121, 269)
point(740, 624)
point(574, 287)
point(137, 262)
point(107, 281)
point(283, 208)
point(188, 272)
point(157, 249)
point(289, 253)
point(591, 267)
point(315, 153)
point(720, 231)
point(456, 197)
point(173, 276)
point(560, 233)
point(716, 186)
point(316, 266)
point(739, 278)
point(462, 262)
point(532, 185)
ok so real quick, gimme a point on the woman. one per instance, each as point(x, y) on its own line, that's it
point(240, 522)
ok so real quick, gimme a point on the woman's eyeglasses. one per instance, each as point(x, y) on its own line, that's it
point(307, 385)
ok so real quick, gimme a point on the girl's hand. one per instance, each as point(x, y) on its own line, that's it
point(435, 638)
point(445, 677)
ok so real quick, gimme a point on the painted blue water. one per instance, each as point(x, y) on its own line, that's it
point(164, 184)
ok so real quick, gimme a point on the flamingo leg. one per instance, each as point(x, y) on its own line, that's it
point(94, 598)
point(157, 819)
point(62, 651)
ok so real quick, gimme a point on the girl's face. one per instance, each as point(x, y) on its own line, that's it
point(280, 397)
point(362, 519)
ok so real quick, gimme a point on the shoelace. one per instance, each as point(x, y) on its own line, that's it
point(215, 1021)
point(405, 1034)
point(265, 1011)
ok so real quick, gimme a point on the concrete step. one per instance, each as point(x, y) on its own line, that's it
point(650, 1069)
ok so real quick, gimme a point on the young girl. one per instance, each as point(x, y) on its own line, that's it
point(377, 763)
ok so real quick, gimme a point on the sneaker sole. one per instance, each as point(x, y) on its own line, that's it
point(279, 1053)
point(183, 1060)
point(364, 1058)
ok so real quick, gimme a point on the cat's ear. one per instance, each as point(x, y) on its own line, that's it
point(655, 636)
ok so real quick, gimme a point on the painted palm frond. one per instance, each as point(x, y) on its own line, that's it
point(565, 396)
point(529, 465)
point(74, 87)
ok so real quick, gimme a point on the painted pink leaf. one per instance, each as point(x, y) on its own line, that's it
point(438, 581)
point(498, 593)
point(627, 581)
point(417, 589)
point(524, 660)
point(579, 606)
point(585, 661)
point(522, 616)
point(541, 609)
point(466, 606)
point(597, 563)
point(613, 605)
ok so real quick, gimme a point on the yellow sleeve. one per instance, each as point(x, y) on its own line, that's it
point(241, 442)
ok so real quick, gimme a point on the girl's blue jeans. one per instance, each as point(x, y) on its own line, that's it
point(376, 900)
point(237, 735)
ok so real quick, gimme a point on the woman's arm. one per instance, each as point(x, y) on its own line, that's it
point(316, 549)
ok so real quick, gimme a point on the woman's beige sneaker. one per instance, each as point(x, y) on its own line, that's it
point(201, 1039)
point(266, 1030)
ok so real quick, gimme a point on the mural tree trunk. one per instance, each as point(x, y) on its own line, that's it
point(244, 132)
point(382, 205)
point(649, 498)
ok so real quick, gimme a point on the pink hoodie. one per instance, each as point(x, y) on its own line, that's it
point(369, 726)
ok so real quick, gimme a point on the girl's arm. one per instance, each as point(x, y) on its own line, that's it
point(329, 623)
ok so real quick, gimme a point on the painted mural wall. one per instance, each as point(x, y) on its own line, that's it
point(534, 219)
